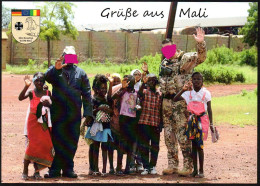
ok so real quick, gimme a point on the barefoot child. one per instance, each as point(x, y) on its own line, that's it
point(198, 100)
point(100, 130)
point(37, 176)
point(39, 149)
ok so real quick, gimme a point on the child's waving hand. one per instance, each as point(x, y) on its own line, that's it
point(187, 86)
point(110, 79)
point(27, 81)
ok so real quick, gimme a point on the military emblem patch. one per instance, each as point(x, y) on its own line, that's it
point(25, 25)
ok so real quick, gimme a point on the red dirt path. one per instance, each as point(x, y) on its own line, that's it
point(233, 159)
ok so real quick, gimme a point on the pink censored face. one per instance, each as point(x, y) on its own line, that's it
point(169, 51)
point(71, 58)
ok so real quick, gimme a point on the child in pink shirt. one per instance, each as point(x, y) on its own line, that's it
point(127, 123)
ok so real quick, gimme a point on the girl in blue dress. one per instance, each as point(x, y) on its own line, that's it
point(100, 131)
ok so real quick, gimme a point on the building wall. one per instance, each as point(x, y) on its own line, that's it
point(4, 49)
point(4, 44)
point(117, 47)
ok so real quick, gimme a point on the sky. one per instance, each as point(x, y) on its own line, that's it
point(90, 12)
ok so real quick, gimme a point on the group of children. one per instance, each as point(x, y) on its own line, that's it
point(122, 113)
point(133, 121)
point(128, 119)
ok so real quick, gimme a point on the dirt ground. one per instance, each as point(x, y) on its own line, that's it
point(233, 159)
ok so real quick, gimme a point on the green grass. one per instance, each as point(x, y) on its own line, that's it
point(240, 109)
point(92, 68)
point(23, 69)
point(249, 72)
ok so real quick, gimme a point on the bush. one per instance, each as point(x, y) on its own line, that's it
point(249, 57)
point(220, 73)
point(224, 75)
point(31, 63)
point(220, 55)
point(208, 75)
point(224, 55)
point(124, 70)
point(240, 77)
point(153, 62)
point(45, 64)
point(107, 63)
point(215, 71)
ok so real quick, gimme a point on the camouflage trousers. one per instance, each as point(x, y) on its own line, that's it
point(175, 119)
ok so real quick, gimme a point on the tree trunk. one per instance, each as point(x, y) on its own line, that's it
point(49, 52)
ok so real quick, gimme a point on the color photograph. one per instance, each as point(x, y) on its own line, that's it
point(129, 92)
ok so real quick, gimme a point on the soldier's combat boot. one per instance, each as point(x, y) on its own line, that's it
point(170, 171)
point(185, 172)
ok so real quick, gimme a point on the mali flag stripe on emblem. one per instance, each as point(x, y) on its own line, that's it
point(34, 12)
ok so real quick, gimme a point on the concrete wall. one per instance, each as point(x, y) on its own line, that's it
point(116, 47)
point(4, 49)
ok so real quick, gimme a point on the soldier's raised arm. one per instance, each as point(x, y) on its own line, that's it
point(192, 59)
point(201, 46)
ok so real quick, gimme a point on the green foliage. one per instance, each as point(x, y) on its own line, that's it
point(224, 75)
point(208, 74)
point(220, 73)
point(31, 63)
point(250, 30)
point(216, 71)
point(239, 77)
point(45, 64)
point(243, 92)
point(224, 55)
point(22, 69)
point(49, 31)
point(6, 16)
point(249, 57)
point(220, 55)
point(152, 61)
point(56, 18)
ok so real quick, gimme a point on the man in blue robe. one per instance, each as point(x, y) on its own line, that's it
point(71, 88)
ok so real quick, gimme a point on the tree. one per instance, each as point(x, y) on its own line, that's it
point(6, 16)
point(250, 30)
point(56, 19)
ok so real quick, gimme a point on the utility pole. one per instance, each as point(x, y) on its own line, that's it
point(171, 20)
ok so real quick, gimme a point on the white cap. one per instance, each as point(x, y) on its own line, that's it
point(69, 50)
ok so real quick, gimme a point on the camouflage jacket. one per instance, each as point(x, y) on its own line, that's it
point(182, 68)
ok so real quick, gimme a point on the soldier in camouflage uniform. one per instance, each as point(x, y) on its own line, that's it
point(173, 75)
